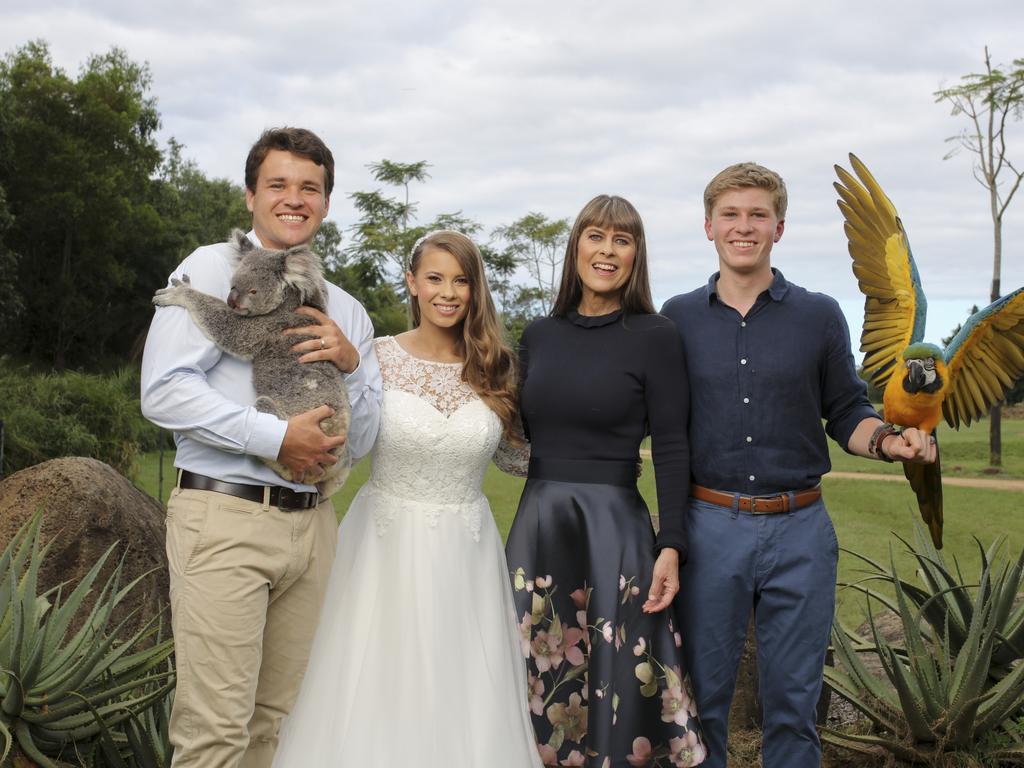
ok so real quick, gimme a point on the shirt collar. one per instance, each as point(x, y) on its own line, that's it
point(777, 290)
point(592, 321)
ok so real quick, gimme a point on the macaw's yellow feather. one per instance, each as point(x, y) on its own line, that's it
point(986, 361)
point(882, 202)
point(1012, 354)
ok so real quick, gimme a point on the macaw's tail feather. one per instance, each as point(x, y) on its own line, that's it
point(926, 480)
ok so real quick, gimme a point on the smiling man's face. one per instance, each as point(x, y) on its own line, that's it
point(744, 227)
point(289, 202)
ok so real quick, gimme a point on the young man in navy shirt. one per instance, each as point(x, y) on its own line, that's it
point(768, 361)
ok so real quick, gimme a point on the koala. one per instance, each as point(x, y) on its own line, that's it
point(266, 289)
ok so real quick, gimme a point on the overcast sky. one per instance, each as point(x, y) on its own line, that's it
point(538, 106)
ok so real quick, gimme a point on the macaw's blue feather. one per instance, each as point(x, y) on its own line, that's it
point(975, 320)
point(920, 302)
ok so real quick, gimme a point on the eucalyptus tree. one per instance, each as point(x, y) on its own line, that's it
point(990, 101)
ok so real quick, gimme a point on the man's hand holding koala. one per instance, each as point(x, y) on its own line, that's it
point(332, 345)
point(306, 450)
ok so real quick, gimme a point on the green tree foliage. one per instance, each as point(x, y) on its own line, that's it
point(11, 304)
point(989, 100)
point(76, 163)
point(362, 279)
point(538, 243)
point(385, 233)
point(198, 210)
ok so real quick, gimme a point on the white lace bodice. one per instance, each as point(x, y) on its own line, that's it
point(435, 441)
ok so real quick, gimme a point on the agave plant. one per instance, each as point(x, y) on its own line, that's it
point(944, 599)
point(57, 693)
point(951, 689)
point(142, 741)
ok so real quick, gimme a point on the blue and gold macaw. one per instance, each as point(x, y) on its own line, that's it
point(922, 382)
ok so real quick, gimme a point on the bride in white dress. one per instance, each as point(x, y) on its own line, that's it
point(417, 658)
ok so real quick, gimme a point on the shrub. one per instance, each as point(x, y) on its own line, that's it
point(47, 416)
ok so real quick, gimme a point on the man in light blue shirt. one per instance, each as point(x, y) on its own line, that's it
point(249, 553)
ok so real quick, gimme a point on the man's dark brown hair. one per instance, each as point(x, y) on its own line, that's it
point(298, 141)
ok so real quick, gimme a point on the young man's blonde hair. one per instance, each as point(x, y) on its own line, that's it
point(743, 176)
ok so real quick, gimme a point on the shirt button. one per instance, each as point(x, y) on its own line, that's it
point(746, 399)
point(743, 323)
point(750, 439)
point(743, 361)
point(752, 478)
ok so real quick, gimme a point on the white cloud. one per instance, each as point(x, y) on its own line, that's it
point(540, 105)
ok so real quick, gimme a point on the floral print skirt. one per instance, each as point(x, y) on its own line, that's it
point(607, 684)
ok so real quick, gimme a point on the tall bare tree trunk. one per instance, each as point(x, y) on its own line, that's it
point(995, 422)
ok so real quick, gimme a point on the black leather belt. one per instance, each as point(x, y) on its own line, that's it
point(281, 497)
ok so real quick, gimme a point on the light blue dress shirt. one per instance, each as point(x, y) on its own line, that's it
point(206, 396)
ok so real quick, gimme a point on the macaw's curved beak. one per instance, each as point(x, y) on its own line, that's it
point(915, 376)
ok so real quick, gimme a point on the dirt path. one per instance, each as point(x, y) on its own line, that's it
point(992, 483)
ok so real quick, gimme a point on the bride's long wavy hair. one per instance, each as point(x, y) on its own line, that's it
point(489, 366)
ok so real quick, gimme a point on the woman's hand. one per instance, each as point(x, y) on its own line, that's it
point(330, 343)
point(664, 581)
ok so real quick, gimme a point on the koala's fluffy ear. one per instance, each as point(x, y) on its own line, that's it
point(303, 270)
point(241, 242)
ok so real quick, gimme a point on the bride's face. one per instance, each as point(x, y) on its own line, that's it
point(440, 288)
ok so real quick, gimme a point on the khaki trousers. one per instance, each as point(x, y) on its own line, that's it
point(247, 582)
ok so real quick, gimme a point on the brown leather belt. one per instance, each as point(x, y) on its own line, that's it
point(758, 505)
point(284, 498)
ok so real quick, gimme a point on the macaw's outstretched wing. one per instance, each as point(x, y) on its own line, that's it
point(926, 482)
point(985, 359)
point(894, 305)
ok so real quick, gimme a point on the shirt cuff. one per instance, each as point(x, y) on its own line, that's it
point(354, 371)
point(267, 436)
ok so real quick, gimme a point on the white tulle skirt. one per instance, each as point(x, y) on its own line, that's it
point(417, 658)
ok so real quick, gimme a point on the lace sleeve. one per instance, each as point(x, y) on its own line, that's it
point(513, 459)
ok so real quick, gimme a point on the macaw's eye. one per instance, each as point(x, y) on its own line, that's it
point(929, 364)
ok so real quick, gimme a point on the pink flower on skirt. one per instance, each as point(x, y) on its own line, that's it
point(641, 752)
point(675, 706)
point(547, 651)
point(687, 751)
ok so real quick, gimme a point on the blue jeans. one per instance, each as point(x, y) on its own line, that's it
point(782, 566)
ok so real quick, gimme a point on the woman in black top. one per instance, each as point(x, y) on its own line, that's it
point(593, 584)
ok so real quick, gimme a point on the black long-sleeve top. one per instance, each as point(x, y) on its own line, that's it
point(593, 387)
point(762, 383)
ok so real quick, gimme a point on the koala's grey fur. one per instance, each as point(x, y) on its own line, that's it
point(266, 288)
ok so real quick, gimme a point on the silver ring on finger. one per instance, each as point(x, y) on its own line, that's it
point(323, 343)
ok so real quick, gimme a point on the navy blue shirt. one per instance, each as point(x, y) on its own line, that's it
point(760, 386)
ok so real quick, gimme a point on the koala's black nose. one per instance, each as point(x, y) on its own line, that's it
point(233, 299)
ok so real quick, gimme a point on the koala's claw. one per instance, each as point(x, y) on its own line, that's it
point(165, 297)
